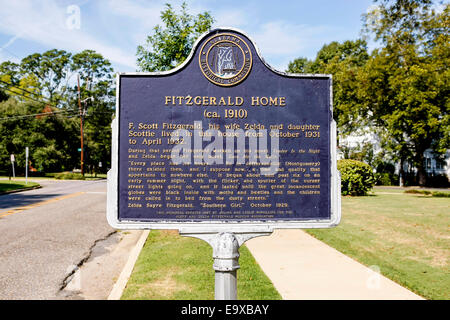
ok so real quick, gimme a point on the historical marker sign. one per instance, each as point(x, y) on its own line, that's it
point(223, 141)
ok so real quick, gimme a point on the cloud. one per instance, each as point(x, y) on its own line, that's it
point(46, 22)
point(227, 18)
point(146, 14)
point(281, 42)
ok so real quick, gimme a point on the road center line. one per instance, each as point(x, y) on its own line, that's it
point(38, 204)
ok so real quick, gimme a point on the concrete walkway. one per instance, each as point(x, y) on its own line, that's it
point(304, 268)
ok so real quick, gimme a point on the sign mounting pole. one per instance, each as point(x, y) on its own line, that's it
point(12, 163)
point(26, 165)
point(225, 247)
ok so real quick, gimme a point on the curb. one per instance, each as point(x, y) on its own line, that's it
point(121, 283)
point(20, 190)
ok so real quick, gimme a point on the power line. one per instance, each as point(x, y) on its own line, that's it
point(69, 114)
point(13, 86)
point(21, 95)
point(36, 114)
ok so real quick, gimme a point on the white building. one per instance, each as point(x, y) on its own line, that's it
point(434, 164)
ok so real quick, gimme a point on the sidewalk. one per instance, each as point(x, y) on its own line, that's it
point(304, 268)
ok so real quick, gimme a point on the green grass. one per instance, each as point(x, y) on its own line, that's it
point(62, 176)
point(406, 235)
point(441, 194)
point(6, 185)
point(179, 268)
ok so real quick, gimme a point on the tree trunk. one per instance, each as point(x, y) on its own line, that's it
point(421, 173)
point(402, 173)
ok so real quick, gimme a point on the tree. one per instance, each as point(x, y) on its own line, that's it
point(51, 138)
point(300, 65)
point(96, 82)
point(407, 81)
point(47, 82)
point(3, 96)
point(169, 46)
point(52, 70)
point(344, 62)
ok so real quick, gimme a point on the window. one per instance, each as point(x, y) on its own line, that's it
point(440, 164)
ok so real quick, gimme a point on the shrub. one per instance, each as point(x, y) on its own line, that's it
point(441, 194)
point(438, 181)
point(414, 191)
point(357, 178)
point(69, 176)
point(386, 179)
point(427, 193)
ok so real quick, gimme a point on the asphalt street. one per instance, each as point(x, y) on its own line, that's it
point(46, 233)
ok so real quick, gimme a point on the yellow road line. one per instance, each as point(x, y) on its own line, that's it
point(38, 204)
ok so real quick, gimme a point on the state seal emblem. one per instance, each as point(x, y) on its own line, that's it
point(225, 59)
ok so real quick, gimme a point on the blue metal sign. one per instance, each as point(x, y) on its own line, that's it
point(224, 138)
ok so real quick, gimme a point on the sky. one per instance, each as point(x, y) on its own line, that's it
point(282, 30)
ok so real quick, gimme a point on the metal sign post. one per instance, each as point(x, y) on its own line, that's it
point(223, 148)
point(26, 165)
point(225, 247)
point(12, 163)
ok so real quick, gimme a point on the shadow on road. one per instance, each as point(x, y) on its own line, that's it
point(22, 199)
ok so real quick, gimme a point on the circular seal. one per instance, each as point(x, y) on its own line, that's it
point(225, 59)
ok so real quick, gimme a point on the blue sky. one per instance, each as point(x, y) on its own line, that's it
point(283, 30)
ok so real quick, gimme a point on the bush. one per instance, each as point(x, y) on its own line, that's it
point(414, 191)
point(428, 193)
point(438, 181)
point(357, 178)
point(441, 194)
point(69, 176)
point(386, 179)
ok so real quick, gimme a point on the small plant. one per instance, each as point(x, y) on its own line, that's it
point(414, 191)
point(428, 193)
point(441, 194)
point(69, 176)
point(357, 177)
point(386, 179)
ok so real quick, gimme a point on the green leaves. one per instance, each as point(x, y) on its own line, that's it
point(47, 82)
point(168, 47)
point(357, 178)
point(407, 85)
point(344, 62)
point(401, 91)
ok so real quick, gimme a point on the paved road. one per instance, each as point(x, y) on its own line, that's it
point(45, 233)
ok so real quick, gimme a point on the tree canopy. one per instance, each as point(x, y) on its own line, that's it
point(400, 90)
point(344, 62)
point(40, 109)
point(170, 45)
point(405, 84)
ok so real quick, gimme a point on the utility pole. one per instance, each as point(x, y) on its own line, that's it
point(81, 126)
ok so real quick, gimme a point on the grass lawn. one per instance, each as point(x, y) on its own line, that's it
point(180, 268)
point(7, 185)
point(406, 235)
point(51, 176)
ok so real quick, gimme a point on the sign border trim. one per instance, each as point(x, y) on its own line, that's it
point(209, 226)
